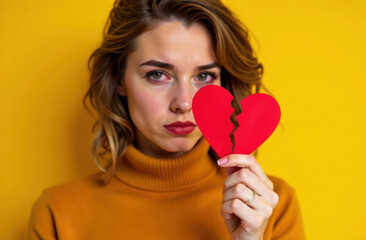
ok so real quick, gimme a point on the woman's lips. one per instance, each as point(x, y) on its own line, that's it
point(181, 128)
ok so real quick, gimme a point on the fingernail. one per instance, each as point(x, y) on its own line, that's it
point(222, 161)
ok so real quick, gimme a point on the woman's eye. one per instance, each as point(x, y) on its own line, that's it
point(157, 76)
point(206, 77)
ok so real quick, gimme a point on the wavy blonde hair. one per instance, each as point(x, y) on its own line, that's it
point(241, 72)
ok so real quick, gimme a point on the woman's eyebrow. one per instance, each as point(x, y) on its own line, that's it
point(158, 64)
point(170, 66)
point(208, 66)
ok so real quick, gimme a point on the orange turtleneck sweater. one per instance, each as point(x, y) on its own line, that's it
point(152, 198)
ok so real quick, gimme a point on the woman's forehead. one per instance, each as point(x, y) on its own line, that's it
point(174, 42)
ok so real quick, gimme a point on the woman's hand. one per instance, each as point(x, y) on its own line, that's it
point(248, 197)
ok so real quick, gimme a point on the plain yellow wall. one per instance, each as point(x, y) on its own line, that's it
point(313, 54)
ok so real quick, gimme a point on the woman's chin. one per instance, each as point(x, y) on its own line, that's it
point(167, 147)
point(179, 147)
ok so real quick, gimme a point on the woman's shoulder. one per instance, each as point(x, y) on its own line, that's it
point(286, 221)
point(280, 185)
point(87, 182)
point(73, 190)
point(285, 191)
point(61, 200)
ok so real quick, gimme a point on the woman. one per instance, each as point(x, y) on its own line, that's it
point(162, 180)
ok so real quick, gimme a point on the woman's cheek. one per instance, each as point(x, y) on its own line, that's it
point(151, 104)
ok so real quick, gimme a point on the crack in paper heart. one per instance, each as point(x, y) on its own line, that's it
point(235, 123)
point(213, 112)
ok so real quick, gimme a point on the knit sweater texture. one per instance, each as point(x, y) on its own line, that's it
point(152, 198)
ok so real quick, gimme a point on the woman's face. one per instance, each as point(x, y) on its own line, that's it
point(170, 63)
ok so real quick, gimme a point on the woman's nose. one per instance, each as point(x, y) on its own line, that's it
point(182, 99)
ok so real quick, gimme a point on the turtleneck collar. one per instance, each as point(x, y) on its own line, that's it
point(166, 174)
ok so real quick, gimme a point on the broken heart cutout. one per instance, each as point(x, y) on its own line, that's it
point(212, 110)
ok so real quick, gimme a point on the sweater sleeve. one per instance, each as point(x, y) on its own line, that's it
point(288, 223)
point(41, 222)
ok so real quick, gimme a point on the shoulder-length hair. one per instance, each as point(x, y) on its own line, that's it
point(241, 72)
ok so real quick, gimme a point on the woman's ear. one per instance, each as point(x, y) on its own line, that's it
point(121, 90)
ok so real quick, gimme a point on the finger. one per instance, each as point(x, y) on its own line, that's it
point(239, 191)
point(243, 193)
point(249, 218)
point(248, 161)
point(250, 180)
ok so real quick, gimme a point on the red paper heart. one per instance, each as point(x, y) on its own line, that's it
point(212, 109)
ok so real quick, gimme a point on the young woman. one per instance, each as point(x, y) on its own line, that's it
point(161, 180)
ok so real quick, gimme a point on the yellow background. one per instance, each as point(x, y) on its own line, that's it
point(313, 54)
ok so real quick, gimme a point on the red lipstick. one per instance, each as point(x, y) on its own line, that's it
point(181, 128)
